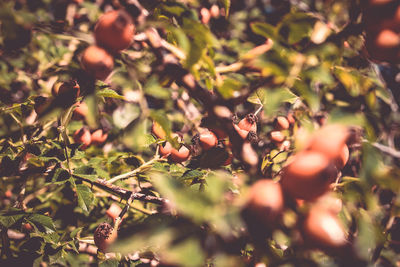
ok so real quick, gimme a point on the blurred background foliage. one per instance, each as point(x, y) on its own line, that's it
point(314, 70)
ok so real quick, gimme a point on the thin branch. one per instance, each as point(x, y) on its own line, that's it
point(133, 173)
point(121, 192)
point(385, 149)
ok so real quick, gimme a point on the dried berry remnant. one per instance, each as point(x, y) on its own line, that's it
point(97, 62)
point(114, 30)
point(104, 236)
point(66, 89)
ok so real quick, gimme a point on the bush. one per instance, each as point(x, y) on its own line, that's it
point(199, 133)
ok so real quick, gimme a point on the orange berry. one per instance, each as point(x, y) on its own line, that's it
point(158, 130)
point(322, 229)
point(114, 30)
point(208, 140)
point(290, 118)
point(27, 227)
point(113, 211)
point(83, 136)
point(180, 155)
point(97, 62)
point(99, 137)
point(165, 150)
point(308, 175)
point(249, 123)
point(329, 140)
point(277, 136)
point(281, 123)
point(241, 132)
point(80, 111)
point(343, 157)
point(263, 208)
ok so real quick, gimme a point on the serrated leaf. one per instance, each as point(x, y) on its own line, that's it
point(192, 174)
point(85, 197)
point(10, 217)
point(42, 222)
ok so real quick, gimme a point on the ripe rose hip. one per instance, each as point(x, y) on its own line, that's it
point(83, 136)
point(242, 133)
point(158, 131)
point(308, 175)
point(208, 140)
point(329, 140)
point(71, 88)
point(114, 30)
point(104, 236)
point(165, 149)
point(97, 62)
point(281, 123)
point(98, 137)
point(180, 155)
point(322, 229)
point(80, 111)
point(249, 123)
point(277, 136)
point(264, 207)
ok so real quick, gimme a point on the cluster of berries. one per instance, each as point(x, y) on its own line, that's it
point(113, 32)
point(307, 179)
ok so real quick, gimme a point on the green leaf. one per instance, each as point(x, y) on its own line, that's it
point(85, 197)
point(109, 93)
point(192, 174)
point(9, 218)
point(42, 222)
point(296, 26)
point(263, 29)
point(227, 5)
